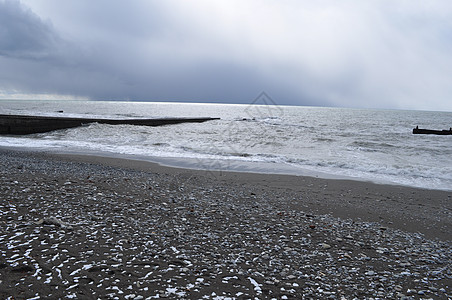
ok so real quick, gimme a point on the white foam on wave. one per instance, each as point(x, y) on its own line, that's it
point(358, 144)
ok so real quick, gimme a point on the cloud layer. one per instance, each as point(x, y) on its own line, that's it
point(350, 53)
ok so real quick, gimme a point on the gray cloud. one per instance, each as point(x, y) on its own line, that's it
point(358, 54)
point(23, 34)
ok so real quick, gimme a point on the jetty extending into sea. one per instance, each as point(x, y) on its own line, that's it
point(418, 130)
point(26, 124)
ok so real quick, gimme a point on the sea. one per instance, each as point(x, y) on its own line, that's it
point(358, 144)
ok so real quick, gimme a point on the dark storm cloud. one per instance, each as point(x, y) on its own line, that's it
point(23, 34)
point(112, 57)
point(29, 48)
point(358, 54)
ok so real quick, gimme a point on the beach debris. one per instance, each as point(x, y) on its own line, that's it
point(54, 221)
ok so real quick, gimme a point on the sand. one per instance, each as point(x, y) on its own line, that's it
point(95, 227)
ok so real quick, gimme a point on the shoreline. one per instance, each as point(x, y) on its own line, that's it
point(90, 227)
point(226, 166)
point(418, 213)
point(412, 209)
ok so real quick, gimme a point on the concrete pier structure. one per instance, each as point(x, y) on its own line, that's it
point(418, 130)
point(24, 124)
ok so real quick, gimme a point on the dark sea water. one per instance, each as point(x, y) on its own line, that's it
point(364, 144)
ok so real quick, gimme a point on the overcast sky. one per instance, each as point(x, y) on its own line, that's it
point(378, 54)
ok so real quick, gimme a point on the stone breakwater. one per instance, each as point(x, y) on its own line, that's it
point(89, 231)
point(23, 124)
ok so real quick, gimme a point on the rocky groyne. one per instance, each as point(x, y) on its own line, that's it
point(25, 124)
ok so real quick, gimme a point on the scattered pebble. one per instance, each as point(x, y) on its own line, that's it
point(83, 230)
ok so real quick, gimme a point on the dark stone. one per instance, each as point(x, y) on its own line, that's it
point(23, 269)
point(96, 268)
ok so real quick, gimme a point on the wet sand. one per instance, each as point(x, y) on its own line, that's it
point(94, 227)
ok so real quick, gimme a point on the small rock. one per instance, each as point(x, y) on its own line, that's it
point(398, 288)
point(325, 246)
point(411, 292)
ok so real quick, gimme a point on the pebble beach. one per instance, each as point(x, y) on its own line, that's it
point(87, 227)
